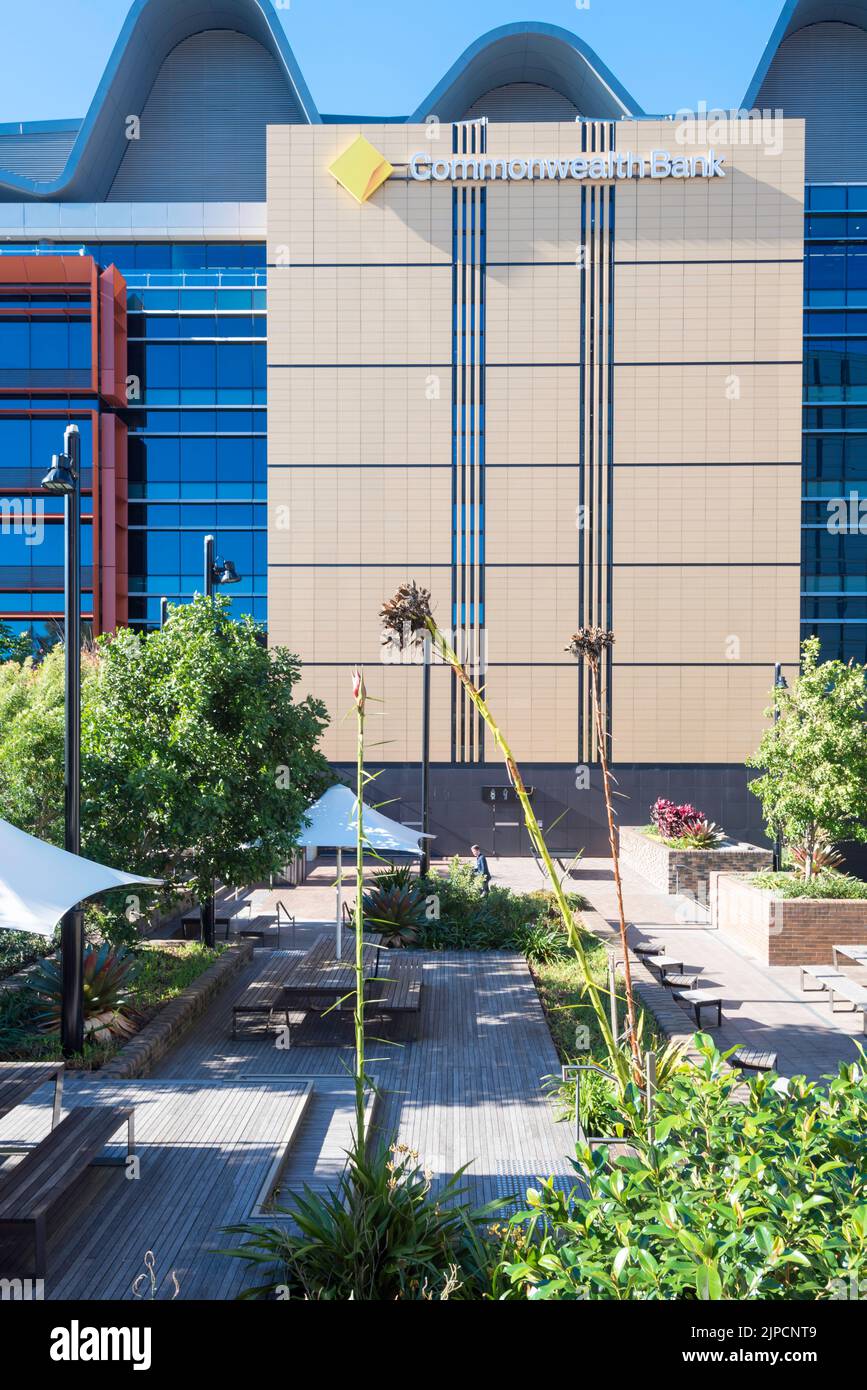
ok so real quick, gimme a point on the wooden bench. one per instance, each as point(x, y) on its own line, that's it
point(256, 927)
point(43, 1178)
point(683, 982)
point(265, 995)
point(665, 965)
point(645, 949)
point(698, 999)
point(752, 1059)
point(194, 920)
point(18, 1081)
point(397, 994)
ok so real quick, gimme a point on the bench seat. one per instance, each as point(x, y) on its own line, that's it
point(853, 994)
point(682, 982)
point(698, 999)
point(265, 995)
point(665, 965)
point(31, 1190)
point(753, 1059)
point(822, 974)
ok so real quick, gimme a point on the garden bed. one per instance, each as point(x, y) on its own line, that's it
point(674, 870)
point(788, 930)
point(168, 971)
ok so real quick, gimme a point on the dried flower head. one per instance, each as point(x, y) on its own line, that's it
point(591, 643)
point(406, 614)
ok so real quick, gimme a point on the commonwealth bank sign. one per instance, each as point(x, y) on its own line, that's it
point(361, 169)
point(611, 167)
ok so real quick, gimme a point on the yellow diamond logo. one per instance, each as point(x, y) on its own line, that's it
point(361, 169)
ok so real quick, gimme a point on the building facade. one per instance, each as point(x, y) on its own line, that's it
point(609, 375)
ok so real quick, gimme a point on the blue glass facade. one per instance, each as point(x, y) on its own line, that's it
point(834, 588)
point(196, 418)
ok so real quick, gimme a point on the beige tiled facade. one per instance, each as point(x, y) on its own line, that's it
point(637, 461)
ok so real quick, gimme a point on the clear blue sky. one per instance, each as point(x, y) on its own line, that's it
point(384, 56)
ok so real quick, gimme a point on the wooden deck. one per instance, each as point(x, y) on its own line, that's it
point(213, 1121)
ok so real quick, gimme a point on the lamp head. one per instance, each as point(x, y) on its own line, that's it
point(61, 476)
point(226, 573)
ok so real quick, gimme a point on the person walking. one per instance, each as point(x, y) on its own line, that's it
point(480, 868)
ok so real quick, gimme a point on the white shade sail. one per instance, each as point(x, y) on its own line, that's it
point(39, 882)
point(334, 825)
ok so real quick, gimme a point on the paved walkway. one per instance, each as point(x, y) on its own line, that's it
point(763, 1005)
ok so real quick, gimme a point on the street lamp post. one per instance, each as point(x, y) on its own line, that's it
point(780, 683)
point(164, 612)
point(424, 865)
point(217, 572)
point(64, 479)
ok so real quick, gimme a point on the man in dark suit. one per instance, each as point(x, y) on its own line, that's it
point(480, 868)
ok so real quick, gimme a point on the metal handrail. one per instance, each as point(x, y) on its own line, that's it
point(290, 918)
point(571, 1071)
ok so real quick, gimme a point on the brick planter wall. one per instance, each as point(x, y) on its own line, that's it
point(785, 931)
point(153, 1042)
point(687, 870)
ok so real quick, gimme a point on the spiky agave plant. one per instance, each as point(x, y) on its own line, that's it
point(396, 912)
point(406, 618)
point(108, 974)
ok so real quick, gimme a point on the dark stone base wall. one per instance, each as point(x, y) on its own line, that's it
point(460, 818)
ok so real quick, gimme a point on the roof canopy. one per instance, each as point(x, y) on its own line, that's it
point(39, 883)
point(543, 54)
point(334, 825)
point(800, 14)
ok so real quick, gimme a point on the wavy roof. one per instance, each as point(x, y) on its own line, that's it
point(528, 53)
point(799, 14)
point(534, 53)
point(152, 30)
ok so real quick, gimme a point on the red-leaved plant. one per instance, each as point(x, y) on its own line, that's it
point(684, 822)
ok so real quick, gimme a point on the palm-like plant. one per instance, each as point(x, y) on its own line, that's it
point(108, 974)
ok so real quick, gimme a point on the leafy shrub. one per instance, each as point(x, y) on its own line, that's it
point(499, 920)
point(20, 948)
point(397, 913)
point(541, 941)
point(826, 884)
point(378, 1236)
point(396, 876)
point(107, 1010)
point(761, 1195)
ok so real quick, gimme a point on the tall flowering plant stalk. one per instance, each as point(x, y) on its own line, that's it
point(406, 618)
point(359, 695)
point(590, 644)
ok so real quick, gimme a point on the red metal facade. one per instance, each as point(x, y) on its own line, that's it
point(75, 288)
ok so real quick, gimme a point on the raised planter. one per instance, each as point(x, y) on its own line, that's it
point(156, 1038)
point(687, 871)
point(785, 931)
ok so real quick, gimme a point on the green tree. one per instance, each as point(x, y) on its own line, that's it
point(31, 742)
point(814, 783)
point(198, 761)
point(14, 646)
